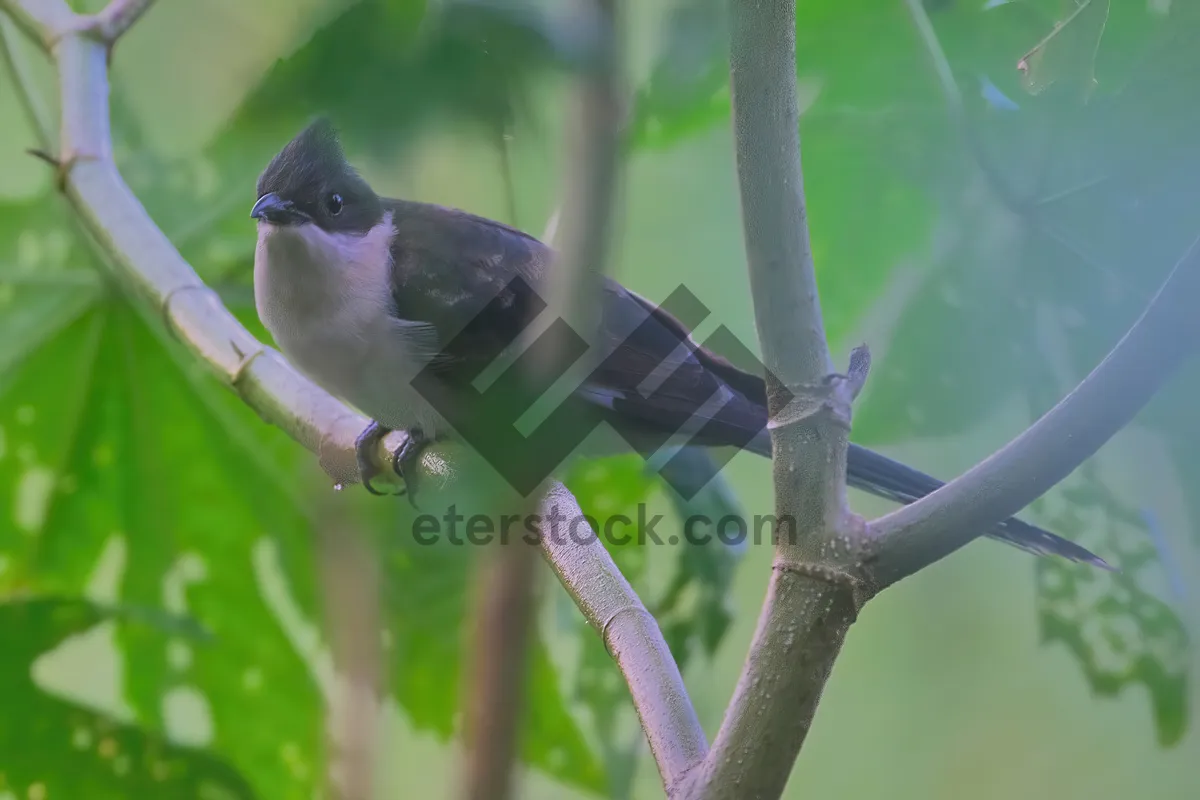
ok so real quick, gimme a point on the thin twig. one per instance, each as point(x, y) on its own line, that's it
point(506, 606)
point(118, 16)
point(504, 152)
point(590, 181)
point(1166, 334)
point(42, 20)
point(504, 614)
point(35, 109)
point(350, 589)
point(958, 112)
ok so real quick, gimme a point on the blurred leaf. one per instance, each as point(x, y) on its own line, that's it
point(871, 124)
point(1065, 57)
point(115, 449)
point(383, 71)
point(688, 87)
point(1025, 298)
point(694, 610)
point(1121, 633)
point(45, 279)
point(426, 601)
point(467, 58)
point(52, 748)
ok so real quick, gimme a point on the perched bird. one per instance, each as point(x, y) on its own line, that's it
point(364, 293)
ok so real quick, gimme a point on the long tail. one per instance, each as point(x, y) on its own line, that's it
point(887, 478)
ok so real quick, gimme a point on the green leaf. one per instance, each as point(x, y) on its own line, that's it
point(471, 59)
point(687, 90)
point(45, 279)
point(53, 748)
point(119, 449)
point(1119, 630)
point(426, 605)
point(871, 123)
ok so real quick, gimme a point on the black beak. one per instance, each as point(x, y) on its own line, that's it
point(274, 209)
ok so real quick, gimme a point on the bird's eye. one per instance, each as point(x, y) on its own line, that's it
point(334, 204)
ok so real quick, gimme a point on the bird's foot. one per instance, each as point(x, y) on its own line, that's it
point(405, 461)
point(363, 445)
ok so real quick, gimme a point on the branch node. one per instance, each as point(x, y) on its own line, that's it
point(165, 306)
point(830, 398)
point(43, 155)
point(115, 20)
point(636, 608)
point(62, 166)
point(860, 590)
point(246, 360)
point(859, 369)
point(76, 24)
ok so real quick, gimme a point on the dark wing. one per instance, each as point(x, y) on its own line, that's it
point(471, 280)
point(655, 375)
point(468, 278)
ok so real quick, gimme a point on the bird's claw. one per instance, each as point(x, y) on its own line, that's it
point(366, 441)
point(404, 460)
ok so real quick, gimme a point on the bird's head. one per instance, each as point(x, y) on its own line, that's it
point(310, 182)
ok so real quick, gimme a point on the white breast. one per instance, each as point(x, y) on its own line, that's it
point(326, 299)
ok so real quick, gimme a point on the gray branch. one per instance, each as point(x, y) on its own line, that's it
point(814, 592)
point(1167, 334)
point(633, 638)
point(118, 16)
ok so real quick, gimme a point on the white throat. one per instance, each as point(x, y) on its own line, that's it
point(323, 296)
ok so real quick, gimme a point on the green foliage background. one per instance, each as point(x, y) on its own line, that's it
point(158, 600)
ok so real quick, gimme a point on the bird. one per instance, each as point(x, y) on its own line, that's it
point(368, 296)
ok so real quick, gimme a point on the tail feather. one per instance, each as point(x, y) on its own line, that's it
point(884, 477)
point(891, 480)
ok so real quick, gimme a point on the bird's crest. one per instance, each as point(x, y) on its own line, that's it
point(308, 161)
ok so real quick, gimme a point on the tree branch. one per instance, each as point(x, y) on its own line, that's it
point(506, 607)
point(42, 20)
point(631, 635)
point(917, 535)
point(814, 592)
point(348, 570)
point(118, 16)
point(35, 109)
point(1167, 333)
